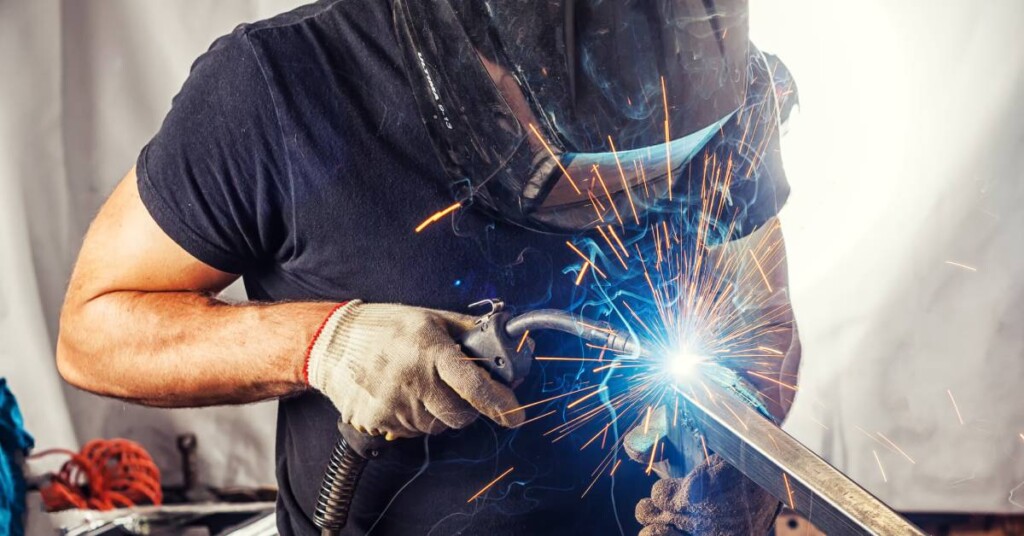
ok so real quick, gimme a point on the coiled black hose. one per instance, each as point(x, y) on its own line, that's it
point(339, 488)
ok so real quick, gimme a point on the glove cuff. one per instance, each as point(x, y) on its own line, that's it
point(325, 350)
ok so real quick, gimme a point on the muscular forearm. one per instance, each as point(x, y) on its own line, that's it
point(178, 349)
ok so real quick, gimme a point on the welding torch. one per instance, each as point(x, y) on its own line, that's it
point(498, 343)
point(717, 407)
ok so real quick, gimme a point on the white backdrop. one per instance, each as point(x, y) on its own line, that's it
point(907, 154)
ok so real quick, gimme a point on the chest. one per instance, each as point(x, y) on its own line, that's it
point(351, 233)
point(362, 177)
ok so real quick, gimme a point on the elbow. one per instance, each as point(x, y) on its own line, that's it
point(71, 360)
point(77, 358)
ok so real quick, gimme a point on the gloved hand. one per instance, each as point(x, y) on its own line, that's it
point(395, 370)
point(715, 499)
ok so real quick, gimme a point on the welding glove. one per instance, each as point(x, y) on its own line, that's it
point(396, 370)
point(714, 499)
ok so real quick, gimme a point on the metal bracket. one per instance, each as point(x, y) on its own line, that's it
point(496, 306)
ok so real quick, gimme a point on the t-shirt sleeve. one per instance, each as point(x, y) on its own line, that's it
point(209, 176)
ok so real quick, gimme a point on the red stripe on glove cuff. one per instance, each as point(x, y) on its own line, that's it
point(309, 349)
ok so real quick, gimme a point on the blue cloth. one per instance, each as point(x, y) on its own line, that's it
point(13, 440)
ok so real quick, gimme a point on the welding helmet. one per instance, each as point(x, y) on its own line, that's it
point(559, 115)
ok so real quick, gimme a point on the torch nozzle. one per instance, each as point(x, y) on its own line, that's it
point(593, 331)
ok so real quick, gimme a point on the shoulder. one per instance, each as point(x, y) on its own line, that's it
point(323, 55)
point(327, 26)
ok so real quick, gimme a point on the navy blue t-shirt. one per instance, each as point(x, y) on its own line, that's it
point(294, 155)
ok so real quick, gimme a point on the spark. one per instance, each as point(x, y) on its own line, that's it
point(559, 358)
point(522, 341)
point(585, 259)
point(594, 438)
point(583, 272)
point(613, 248)
point(437, 216)
point(617, 462)
point(955, 407)
point(625, 184)
point(770, 350)
point(618, 241)
point(738, 419)
point(557, 160)
point(759, 269)
point(607, 194)
point(654, 452)
point(647, 420)
point(783, 384)
point(869, 436)
point(490, 484)
point(964, 266)
point(898, 449)
point(668, 138)
point(537, 418)
point(588, 395)
point(548, 399)
point(816, 421)
point(880, 468)
point(1014, 490)
point(974, 474)
point(789, 492)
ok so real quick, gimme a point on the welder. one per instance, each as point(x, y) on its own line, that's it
point(302, 154)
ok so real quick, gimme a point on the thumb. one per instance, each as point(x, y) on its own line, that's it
point(660, 530)
point(641, 439)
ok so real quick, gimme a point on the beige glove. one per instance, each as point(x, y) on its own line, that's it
point(396, 370)
point(715, 499)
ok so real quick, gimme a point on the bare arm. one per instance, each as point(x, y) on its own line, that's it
point(140, 323)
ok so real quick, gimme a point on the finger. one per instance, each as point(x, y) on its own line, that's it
point(374, 419)
point(449, 408)
point(648, 514)
point(401, 433)
point(428, 424)
point(660, 530)
point(474, 384)
point(711, 475)
point(672, 494)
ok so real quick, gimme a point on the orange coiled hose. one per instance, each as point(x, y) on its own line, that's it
point(107, 474)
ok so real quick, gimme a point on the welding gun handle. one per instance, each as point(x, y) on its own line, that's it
point(506, 357)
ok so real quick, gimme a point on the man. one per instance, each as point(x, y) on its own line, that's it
point(303, 152)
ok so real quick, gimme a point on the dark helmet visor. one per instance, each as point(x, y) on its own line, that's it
point(594, 100)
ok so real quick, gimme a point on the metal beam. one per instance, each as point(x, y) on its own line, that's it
point(781, 465)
